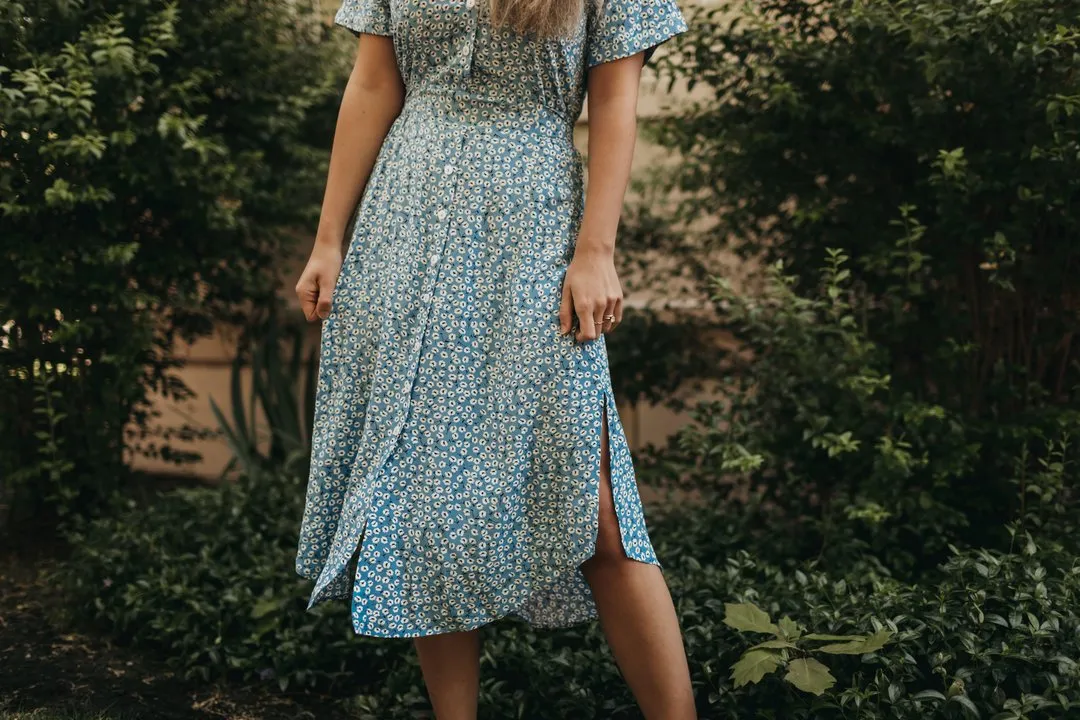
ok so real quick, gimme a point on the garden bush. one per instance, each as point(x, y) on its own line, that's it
point(935, 147)
point(204, 577)
point(153, 156)
point(283, 390)
point(837, 459)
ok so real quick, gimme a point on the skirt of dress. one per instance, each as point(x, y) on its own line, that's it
point(456, 454)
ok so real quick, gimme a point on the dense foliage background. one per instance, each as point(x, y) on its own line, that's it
point(993, 632)
point(894, 450)
point(153, 156)
point(927, 154)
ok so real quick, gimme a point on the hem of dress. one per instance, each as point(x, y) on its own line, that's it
point(358, 27)
point(366, 31)
point(606, 401)
point(365, 631)
point(319, 595)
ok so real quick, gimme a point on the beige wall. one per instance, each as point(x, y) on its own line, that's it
point(208, 360)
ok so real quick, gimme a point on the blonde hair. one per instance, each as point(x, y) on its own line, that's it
point(546, 18)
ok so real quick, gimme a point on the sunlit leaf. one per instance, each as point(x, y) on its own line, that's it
point(809, 675)
point(748, 617)
point(753, 666)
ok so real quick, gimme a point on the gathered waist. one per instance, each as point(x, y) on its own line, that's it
point(527, 124)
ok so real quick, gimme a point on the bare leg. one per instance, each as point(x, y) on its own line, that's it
point(450, 663)
point(637, 615)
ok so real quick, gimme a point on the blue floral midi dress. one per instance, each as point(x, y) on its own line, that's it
point(456, 451)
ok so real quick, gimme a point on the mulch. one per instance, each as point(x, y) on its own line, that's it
point(46, 667)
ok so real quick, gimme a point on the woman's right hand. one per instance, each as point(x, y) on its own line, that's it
point(316, 284)
point(372, 101)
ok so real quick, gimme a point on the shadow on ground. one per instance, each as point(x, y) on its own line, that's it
point(48, 673)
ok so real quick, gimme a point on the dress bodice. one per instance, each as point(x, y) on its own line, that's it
point(450, 47)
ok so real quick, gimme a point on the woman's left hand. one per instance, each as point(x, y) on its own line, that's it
point(591, 294)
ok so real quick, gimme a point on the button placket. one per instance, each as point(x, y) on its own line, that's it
point(398, 423)
point(431, 278)
point(427, 294)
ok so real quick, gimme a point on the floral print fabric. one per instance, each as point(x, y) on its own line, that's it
point(456, 453)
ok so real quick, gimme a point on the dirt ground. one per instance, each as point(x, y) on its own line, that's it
point(48, 672)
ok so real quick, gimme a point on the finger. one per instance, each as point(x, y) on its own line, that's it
point(617, 312)
point(566, 310)
point(325, 300)
point(609, 312)
point(308, 295)
point(586, 328)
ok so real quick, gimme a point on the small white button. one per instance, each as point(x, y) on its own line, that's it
point(441, 213)
point(470, 4)
point(449, 169)
point(426, 297)
point(434, 258)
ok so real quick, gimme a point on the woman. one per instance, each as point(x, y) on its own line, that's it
point(461, 465)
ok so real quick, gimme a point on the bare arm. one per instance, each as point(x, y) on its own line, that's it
point(371, 101)
point(612, 98)
point(591, 289)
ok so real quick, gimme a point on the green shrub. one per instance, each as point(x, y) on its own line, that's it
point(152, 157)
point(788, 646)
point(994, 630)
point(816, 428)
point(204, 577)
point(935, 147)
point(288, 405)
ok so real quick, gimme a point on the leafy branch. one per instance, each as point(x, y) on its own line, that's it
point(790, 648)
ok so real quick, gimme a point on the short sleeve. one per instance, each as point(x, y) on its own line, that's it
point(365, 16)
point(626, 27)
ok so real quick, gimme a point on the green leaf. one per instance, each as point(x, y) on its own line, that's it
point(853, 647)
point(965, 702)
point(754, 665)
point(241, 430)
point(819, 636)
point(878, 640)
point(859, 646)
point(747, 617)
point(808, 675)
point(235, 443)
point(263, 607)
point(789, 628)
point(774, 644)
